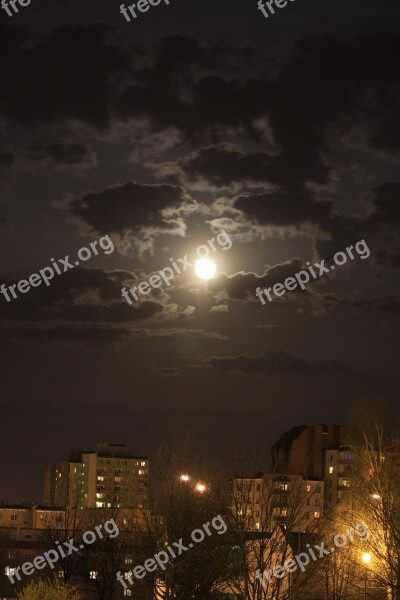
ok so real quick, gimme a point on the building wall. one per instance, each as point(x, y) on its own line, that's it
point(302, 450)
point(268, 500)
point(337, 474)
point(99, 479)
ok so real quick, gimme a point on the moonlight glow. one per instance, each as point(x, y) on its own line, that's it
point(205, 268)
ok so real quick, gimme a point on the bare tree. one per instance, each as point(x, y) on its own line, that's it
point(374, 498)
point(271, 515)
point(186, 493)
point(102, 559)
point(63, 525)
point(43, 590)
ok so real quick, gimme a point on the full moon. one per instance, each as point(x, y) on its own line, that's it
point(205, 268)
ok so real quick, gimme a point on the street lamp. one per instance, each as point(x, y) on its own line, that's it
point(200, 487)
point(366, 558)
point(184, 477)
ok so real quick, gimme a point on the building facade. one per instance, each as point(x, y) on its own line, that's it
point(265, 501)
point(105, 478)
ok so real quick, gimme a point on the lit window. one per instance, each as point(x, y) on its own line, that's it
point(346, 483)
point(331, 470)
point(10, 571)
point(128, 575)
point(284, 512)
point(141, 472)
point(308, 488)
point(127, 592)
point(61, 574)
point(317, 514)
point(258, 525)
point(93, 575)
point(128, 561)
point(142, 464)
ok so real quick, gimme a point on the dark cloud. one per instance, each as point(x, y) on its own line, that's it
point(201, 89)
point(390, 304)
point(80, 296)
point(88, 335)
point(62, 153)
point(224, 164)
point(6, 159)
point(326, 85)
point(174, 333)
point(386, 259)
point(76, 64)
point(386, 202)
point(169, 372)
point(356, 302)
point(281, 208)
point(242, 285)
point(130, 206)
point(278, 363)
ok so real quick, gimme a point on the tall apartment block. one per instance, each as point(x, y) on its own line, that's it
point(309, 470)
point(105, 478)
point(302, 449)
point(337, 473)
point(265, 500)
point(317, 452)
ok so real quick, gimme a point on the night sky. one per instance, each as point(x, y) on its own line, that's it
point(195, 117)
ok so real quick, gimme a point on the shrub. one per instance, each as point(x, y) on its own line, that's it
point(43, 590)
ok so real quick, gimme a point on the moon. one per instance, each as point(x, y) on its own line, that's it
point(205, 268)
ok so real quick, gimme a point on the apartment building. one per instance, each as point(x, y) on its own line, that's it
point(27, 531)
point(302, 449)
point(338, 466)
point(108, 477)
point(264, 501)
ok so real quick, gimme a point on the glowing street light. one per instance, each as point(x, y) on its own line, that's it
point(200, 487)
point(366, 558)
point(184, 477)
point(376, 496)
